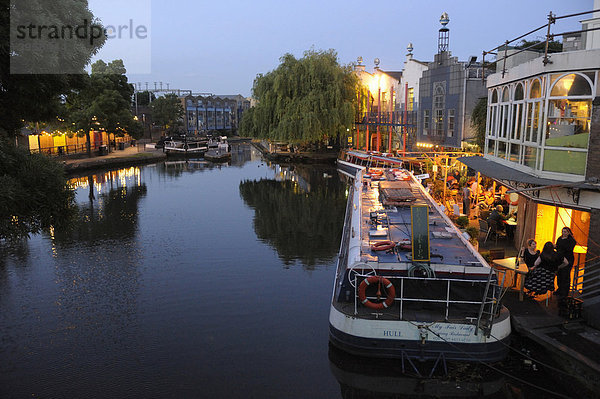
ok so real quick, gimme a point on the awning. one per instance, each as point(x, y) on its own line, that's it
point(498, 171)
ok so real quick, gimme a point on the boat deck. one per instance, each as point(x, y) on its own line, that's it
point(386, 215)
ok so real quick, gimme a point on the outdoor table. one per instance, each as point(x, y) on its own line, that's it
point(509, 264)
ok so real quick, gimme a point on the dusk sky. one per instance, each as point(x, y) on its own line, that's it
point(220, 46)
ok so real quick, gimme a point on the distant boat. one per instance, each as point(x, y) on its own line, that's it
point(221, 153)
point(185, 147)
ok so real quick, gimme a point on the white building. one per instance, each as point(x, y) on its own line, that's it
point(543, 140)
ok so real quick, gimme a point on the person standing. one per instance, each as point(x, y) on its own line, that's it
point(564, 246)
point(530, 254)
point(466, 200)
point(550, 260)
point(540, 278)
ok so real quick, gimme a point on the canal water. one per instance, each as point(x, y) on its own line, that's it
point(191, 280)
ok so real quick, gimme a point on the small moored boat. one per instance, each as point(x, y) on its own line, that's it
point(185, 147)
point(221, 153)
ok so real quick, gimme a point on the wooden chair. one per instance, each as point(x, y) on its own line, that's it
point(497, 233)
point(484, 228)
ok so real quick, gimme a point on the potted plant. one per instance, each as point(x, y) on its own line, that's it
point(473, 232)
point(462, 222)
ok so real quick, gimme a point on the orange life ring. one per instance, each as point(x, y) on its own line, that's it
point(383, 245)
point(515, 201)
point(389, 287)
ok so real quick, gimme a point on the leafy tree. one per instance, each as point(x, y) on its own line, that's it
point(34, 194)
point(303, 100)
point(103, 103)
point(540, 45)
point(479, 119)
point(145, 97)
point(38, 97)
point(168, 112)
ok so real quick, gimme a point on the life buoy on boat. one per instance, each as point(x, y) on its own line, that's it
point(383, 245)
point(381, 281)
point(512, 198)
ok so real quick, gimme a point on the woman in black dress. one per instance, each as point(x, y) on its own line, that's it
point(564, 246)
point(530, 254)
point(540, 278)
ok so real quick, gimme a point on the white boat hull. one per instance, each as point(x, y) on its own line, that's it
point(383, 338)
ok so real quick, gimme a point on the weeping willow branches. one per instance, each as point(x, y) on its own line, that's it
point(303, 100)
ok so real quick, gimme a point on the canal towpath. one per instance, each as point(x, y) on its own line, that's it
point(133, 155)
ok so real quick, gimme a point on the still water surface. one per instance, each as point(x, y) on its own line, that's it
point(188, 280)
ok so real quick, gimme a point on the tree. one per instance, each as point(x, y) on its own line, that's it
point(103, 103)
point(144, 98)
point(479, 119)
point(303, 100)
point(38, 97)
point(168, 112)
point(34, 194)
point(540, 45)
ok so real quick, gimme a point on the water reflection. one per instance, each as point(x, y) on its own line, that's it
point(240, 155)
point(299, 212)
point(110, 210)
point(363, 378)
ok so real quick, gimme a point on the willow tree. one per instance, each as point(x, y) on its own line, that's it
point(304, 100)
point(479, 120)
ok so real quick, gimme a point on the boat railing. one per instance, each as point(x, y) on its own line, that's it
point(488, 299)
point(343, 254)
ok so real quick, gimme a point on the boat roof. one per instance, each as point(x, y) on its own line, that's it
point(384, 212)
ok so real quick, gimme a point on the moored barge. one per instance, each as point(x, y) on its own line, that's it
point(408, 283)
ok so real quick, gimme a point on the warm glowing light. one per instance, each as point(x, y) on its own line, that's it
point(566, 83)
point(375, 82)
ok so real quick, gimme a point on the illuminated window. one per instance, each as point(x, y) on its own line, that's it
point(439, 122)
point(571, 85)
point(411, 99)
point(536, 89)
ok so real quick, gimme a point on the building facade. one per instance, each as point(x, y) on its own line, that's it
point(543, 141)
point(207, 114)
point(378, 119)
point(408, 96)
point(448, 91)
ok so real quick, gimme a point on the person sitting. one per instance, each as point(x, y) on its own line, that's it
point(486, 200)
point(496, 217)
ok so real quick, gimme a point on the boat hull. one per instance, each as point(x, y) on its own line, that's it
point(398, 339)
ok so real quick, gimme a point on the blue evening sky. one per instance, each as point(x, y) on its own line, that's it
point(220, 46)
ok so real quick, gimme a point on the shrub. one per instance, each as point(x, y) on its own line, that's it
point(462, 222)
point(34, 194)
point(473, 232)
